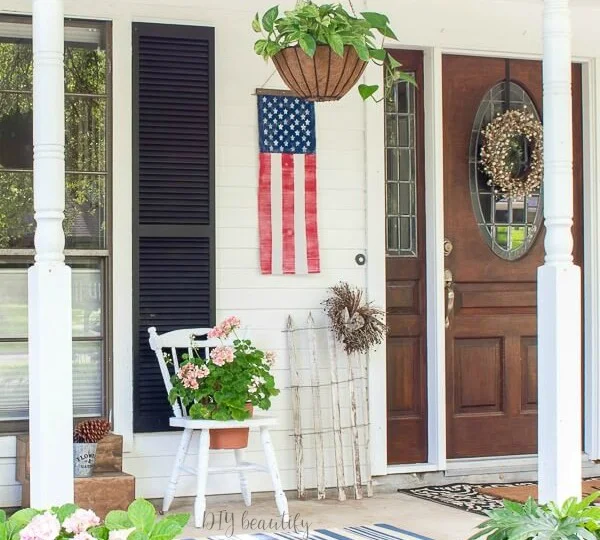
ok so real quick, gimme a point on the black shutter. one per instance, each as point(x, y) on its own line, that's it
point(173, 198)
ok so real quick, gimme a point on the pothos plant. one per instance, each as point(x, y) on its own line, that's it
point(221, 386)
point(310, 25)
point(574, 520)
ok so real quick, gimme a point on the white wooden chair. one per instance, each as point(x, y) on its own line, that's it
point(175, 341)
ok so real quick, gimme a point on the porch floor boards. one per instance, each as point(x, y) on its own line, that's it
point(423, 517)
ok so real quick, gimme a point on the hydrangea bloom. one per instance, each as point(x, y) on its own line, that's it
point(83, 536)
point(120, 534)
point(221, 355)
point(42, 527)
point(189, 374)
point(81, 521)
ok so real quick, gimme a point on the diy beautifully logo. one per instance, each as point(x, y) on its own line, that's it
point(230, 522)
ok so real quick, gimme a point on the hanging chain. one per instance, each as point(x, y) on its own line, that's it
point(352, 7)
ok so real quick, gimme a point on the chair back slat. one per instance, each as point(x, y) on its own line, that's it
point(185, 339)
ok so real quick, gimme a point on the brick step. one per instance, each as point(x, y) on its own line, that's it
point(101, 493)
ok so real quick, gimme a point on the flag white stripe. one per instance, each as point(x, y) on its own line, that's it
point(300, 214)
point(276, 213)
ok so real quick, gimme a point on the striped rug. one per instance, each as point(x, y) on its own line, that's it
point(379, 531)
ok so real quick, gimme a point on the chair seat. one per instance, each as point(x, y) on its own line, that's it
point(256, 421)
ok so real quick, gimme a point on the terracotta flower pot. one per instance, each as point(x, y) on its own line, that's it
point(230, 438)
point(324, 77)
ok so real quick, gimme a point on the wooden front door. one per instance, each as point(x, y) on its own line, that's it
point(494, 247)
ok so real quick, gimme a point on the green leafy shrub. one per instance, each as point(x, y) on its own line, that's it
point(530, 521)
point(310, 25)
point(69, 521)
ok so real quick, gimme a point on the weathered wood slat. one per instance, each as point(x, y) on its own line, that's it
point(295, 379)
point(336, 413)
point(316, 392)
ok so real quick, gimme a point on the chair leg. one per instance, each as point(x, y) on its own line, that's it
point(186, 437)
point(280, 498)
point(202, 476)
point(244, 488)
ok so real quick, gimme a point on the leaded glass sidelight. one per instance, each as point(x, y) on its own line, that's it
point(401, 171)
point(509, 225)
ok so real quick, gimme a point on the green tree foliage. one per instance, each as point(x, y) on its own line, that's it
point(85, 143)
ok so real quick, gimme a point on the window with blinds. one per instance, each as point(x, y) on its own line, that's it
point(86, 225)
point(173, 176)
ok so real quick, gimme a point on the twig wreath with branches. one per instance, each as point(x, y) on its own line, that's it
point(358, 325)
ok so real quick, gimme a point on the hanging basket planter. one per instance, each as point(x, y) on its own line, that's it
point(325, 76)
point(321, 51)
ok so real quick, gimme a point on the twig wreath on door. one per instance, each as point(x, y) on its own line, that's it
point(357, 325)
point(321, 51)
point(512, 154)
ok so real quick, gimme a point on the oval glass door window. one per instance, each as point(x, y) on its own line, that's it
point(509, 225)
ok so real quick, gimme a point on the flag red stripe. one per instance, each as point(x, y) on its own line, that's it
point(289, 240)
point(264, 215)
point(312, 237)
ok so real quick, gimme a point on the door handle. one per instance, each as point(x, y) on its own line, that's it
point(449, 290)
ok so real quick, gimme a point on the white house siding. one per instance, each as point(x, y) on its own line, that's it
point(344, 176)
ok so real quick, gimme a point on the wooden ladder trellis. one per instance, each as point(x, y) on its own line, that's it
point(354, 387)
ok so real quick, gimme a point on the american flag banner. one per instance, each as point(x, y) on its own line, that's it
point(287, 186)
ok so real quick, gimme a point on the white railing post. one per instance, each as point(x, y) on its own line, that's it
point(559, 280)
point(50, 333)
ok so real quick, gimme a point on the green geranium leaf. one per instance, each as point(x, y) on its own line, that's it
point(256, 24)
point(376, 20)
point(117, 519)
point(22, 518)
point(65, 511)
point(100, 532)
point(366, 91)
point(167, 529)
point(142, 514)
point(269, 18)
point(181, 519)
point(308, 44)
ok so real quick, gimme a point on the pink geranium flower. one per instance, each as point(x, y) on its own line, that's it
point(224, 329)
point(190, 374)
point(221, 355)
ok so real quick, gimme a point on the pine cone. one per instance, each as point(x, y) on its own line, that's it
point(91, 431)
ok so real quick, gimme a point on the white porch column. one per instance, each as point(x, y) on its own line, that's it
point(50, 355)
point(559, 280)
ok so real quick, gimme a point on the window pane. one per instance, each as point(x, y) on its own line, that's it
point(87, 301)
point(16, 210)
point(87, 297)
point(401, 172)
point(85, 214)
point(16, 130)
point(87, 377)
point(13, 303)
point(14, 397)
point(85, 69)
point(16, 65)
point(85, 125)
